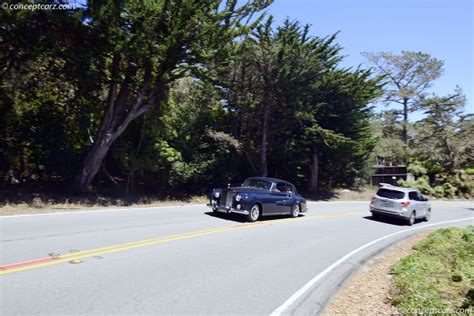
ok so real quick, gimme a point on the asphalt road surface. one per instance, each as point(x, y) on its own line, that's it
point(185, 260)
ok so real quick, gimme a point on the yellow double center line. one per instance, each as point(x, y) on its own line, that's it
point(37, 263)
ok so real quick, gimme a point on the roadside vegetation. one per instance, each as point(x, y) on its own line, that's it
point(38, 203)
point(433, 180)
point(438, 276)
point(116, 101)
point(438, 148)
point(18, 202)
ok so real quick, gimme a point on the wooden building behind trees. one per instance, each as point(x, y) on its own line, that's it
point(388, 174)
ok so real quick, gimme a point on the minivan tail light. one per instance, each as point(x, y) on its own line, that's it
point(372, 198)
point(405, 203)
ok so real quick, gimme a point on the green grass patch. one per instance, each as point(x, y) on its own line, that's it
point(438, 276)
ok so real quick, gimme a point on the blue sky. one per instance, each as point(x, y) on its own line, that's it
point(441, 28)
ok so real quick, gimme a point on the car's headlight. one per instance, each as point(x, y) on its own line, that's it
point(238, 197)
point(216, 195)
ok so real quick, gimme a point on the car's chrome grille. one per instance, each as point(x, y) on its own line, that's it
point(229, 199)
point(226, 198)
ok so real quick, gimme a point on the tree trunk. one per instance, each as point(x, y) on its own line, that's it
point(115, 121)
point(405, 129)
point(93, 161)
point(263, 153)
point(314, 167)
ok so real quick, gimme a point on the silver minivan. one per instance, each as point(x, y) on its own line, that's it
point(406, 203)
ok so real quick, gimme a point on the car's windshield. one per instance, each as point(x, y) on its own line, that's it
point(255, 183)
point(390, 194)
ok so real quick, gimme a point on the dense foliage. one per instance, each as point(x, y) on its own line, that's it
point(122, 96)
point(438, 148)
point(408, 76)
point(173, 97)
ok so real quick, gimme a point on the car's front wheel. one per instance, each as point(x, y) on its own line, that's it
point(254, 213)
point(295, 211)
point(427, 215)
point(412, 219)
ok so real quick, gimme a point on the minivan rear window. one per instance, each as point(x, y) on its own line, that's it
point(390, 194)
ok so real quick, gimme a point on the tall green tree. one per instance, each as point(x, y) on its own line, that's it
point(299, 104)
point(50, 91)
point(173, 94)
point(388, 128)
point(444, 136)
point(336, 128)
point(281, 64)
point(408, 77)
point(147, 46)
point(178, 151)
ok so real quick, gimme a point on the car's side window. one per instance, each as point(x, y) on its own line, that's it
point(413, 196)
point(283, 187)
point(290, 188)
point(420, 196)
point(280, 187)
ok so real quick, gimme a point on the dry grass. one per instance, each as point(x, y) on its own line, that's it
point(363, 194)
point(39, 205)
point(36, 203)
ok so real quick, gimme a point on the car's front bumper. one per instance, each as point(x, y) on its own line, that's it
point(304, 208)
point(230, 210)
point(215, 207)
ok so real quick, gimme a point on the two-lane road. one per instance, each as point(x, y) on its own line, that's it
point(184, 260)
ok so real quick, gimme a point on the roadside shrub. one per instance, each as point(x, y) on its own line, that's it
point(464, 183)
point(433, 168)
point(459, 184)
point(417, 169)
point(438, 191)
point(470, 171)
point(404, 183)
point(469, 302)
point(421, 184)
point(438, 273)
point(449, 190)
point(461, 181)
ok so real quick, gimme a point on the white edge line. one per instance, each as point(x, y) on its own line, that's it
point(318, 277)
point(101, 210)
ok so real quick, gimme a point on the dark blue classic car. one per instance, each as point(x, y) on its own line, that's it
point(259, 197)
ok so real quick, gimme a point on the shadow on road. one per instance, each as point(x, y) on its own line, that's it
point(241, 218)
point(387, 220)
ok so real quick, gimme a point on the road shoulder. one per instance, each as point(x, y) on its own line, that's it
point(367, 291)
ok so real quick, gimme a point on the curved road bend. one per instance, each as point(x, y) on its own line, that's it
point(184, 260)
